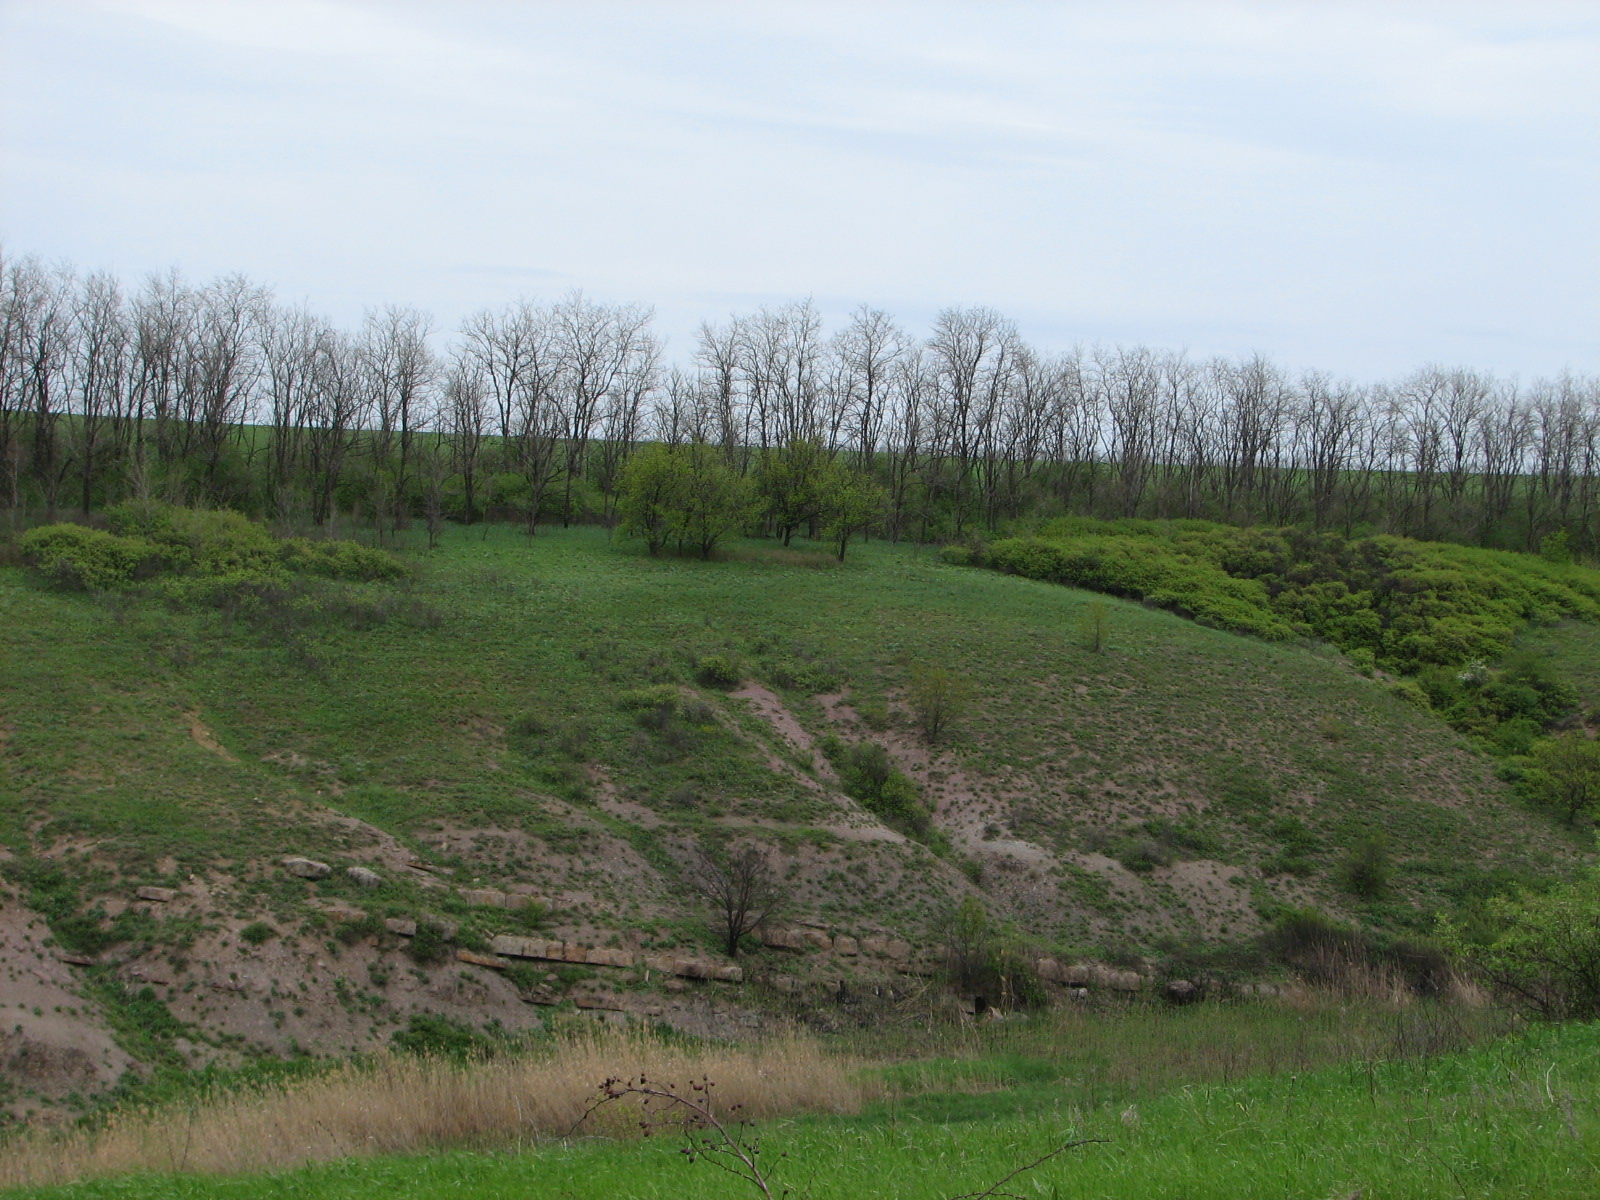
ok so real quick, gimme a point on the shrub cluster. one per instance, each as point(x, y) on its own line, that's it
point(985, 959)
point(192, 555)
point(867, 776)
point(1324, 951)
point(1406, 604)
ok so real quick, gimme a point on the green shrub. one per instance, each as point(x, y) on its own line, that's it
point(81, 559)
point(257, 932)
point(867, 775)
point(434, 1036)
point(986, 960)
point(1563, 774)
point(720, 671)
point(1540, 952)
point(197, 557)
point(341, 560)
point(1365, 872)
point(429, 945)
point(661, 695)
point(956, 556)
point(1409, 607)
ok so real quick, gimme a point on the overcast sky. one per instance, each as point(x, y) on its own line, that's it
point(1357, 188)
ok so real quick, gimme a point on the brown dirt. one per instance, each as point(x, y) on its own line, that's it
point(54, 1041)
point(204, 737)
point(1211, 890)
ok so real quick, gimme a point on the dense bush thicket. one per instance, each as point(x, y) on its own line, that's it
point(217, 395)
point(1391, 602)
point(288, 589)
point(191, 554)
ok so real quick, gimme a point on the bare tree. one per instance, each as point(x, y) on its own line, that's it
point(742, 888)
point(398, 370)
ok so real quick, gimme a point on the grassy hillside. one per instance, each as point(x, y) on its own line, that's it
point(571, 717)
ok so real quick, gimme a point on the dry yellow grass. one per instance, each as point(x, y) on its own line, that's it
point(397, 1104)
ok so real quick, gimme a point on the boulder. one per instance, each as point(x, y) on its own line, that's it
point(480, 960)
point(611, 956)
point(158, 895)
point(847, 946)
point(576, 953)
point(307, 868)
point(814, 939)
point(878, 947)
point(487, 897)
point(691, 968)
point(728, 973)
point(659, 962)
point(1181, 991)
point(364, 876)
point(400, 926)
point(898, 950)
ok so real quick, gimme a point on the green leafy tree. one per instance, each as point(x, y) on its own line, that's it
point(1564, 774)
point(683, 494)
point(792, 484)
point(650, 494)
point(851, 502)
point(715, 500)
point(985, 959)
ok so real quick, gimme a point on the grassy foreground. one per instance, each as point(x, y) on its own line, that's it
point(1513, 1118)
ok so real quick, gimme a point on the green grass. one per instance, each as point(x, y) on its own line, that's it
point(1514, 1118)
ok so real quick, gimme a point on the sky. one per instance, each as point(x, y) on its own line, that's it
point(1356, 188)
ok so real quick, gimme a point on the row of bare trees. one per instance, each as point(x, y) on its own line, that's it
point(217, 393)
